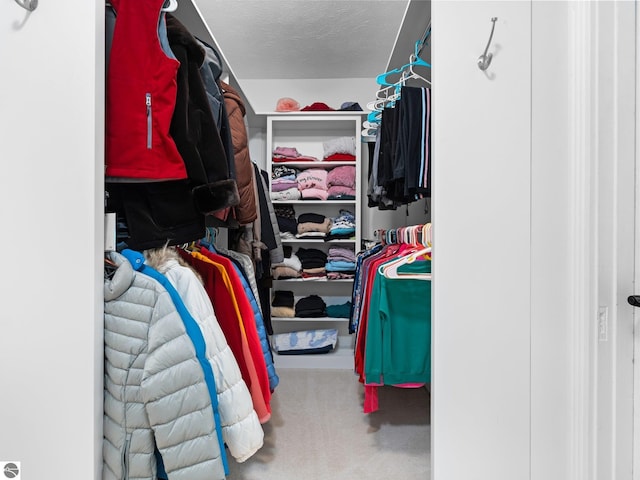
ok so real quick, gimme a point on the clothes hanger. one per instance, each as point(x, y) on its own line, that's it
point(414, 60)
point(170, 6)
point(390, 269)
point(209, 239)
point(426, 235)
point(110, 267)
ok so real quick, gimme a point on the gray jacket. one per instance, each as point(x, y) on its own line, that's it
point(155, 392)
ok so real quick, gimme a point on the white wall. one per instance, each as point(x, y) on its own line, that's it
point(482, 242)
point(51, 145)
point(264, 93)
point(551, 425)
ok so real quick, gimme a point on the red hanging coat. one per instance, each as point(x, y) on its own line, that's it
point(141, 97)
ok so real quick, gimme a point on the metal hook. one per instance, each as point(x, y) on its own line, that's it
point(485, 59)
point(29, 5)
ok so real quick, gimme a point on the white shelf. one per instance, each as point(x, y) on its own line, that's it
point(319, 164)
point(313, 202)
point(341, 358)
point(313, 280)
point(316, 113)
point(317, 240)
point(309, 319)
point(307, 132)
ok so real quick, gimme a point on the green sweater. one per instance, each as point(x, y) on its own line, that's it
point(398, 341)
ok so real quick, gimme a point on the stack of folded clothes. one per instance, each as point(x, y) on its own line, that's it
point(340, 149)
point(282, 304)
point(310, 307)
point(312, 184)
point(342, 226)
point(341, 263)
point(313, 262)
point(283, 179)
point(287, 223)
point(286, 195)
point(305, 342)
point(291, 154)
point(341, 183)
point(290, 267)
point(312, 225)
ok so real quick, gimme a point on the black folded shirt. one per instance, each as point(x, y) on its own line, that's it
point(311, 306)
point(282, 298)
point(311, 218)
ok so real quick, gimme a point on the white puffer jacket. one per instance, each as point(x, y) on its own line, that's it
point(155, 392)
point(241, 428)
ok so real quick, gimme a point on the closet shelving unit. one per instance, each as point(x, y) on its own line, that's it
point(306, 131)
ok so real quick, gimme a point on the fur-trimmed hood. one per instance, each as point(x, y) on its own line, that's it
point(241, 427)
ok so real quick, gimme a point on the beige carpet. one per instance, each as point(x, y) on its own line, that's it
point(318, 431)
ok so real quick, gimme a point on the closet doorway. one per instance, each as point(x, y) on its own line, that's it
point(315, 409)
point(614, 223)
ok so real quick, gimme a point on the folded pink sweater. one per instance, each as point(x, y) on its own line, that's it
point(343, 175)
point(312, 178)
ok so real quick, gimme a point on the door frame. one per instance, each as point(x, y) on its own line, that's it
point(636, 317)
point(603, 153)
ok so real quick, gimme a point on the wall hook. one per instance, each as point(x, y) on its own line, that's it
point(29, 5)
point(485, 59)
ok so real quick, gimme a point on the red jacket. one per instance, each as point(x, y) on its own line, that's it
point(141, 97)
point(220, 294)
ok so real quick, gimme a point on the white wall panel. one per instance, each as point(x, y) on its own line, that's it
point(51, 145)
point(482, 235)
point(550, 246)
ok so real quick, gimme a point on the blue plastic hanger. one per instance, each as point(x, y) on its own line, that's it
point(414, 60)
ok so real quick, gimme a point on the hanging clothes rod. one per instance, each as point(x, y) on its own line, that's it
point(423, 41)
point(413, 234)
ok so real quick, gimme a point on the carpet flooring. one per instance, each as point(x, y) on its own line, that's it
point(318, 431)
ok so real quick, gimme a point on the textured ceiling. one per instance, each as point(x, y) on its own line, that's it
point(298, 39)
